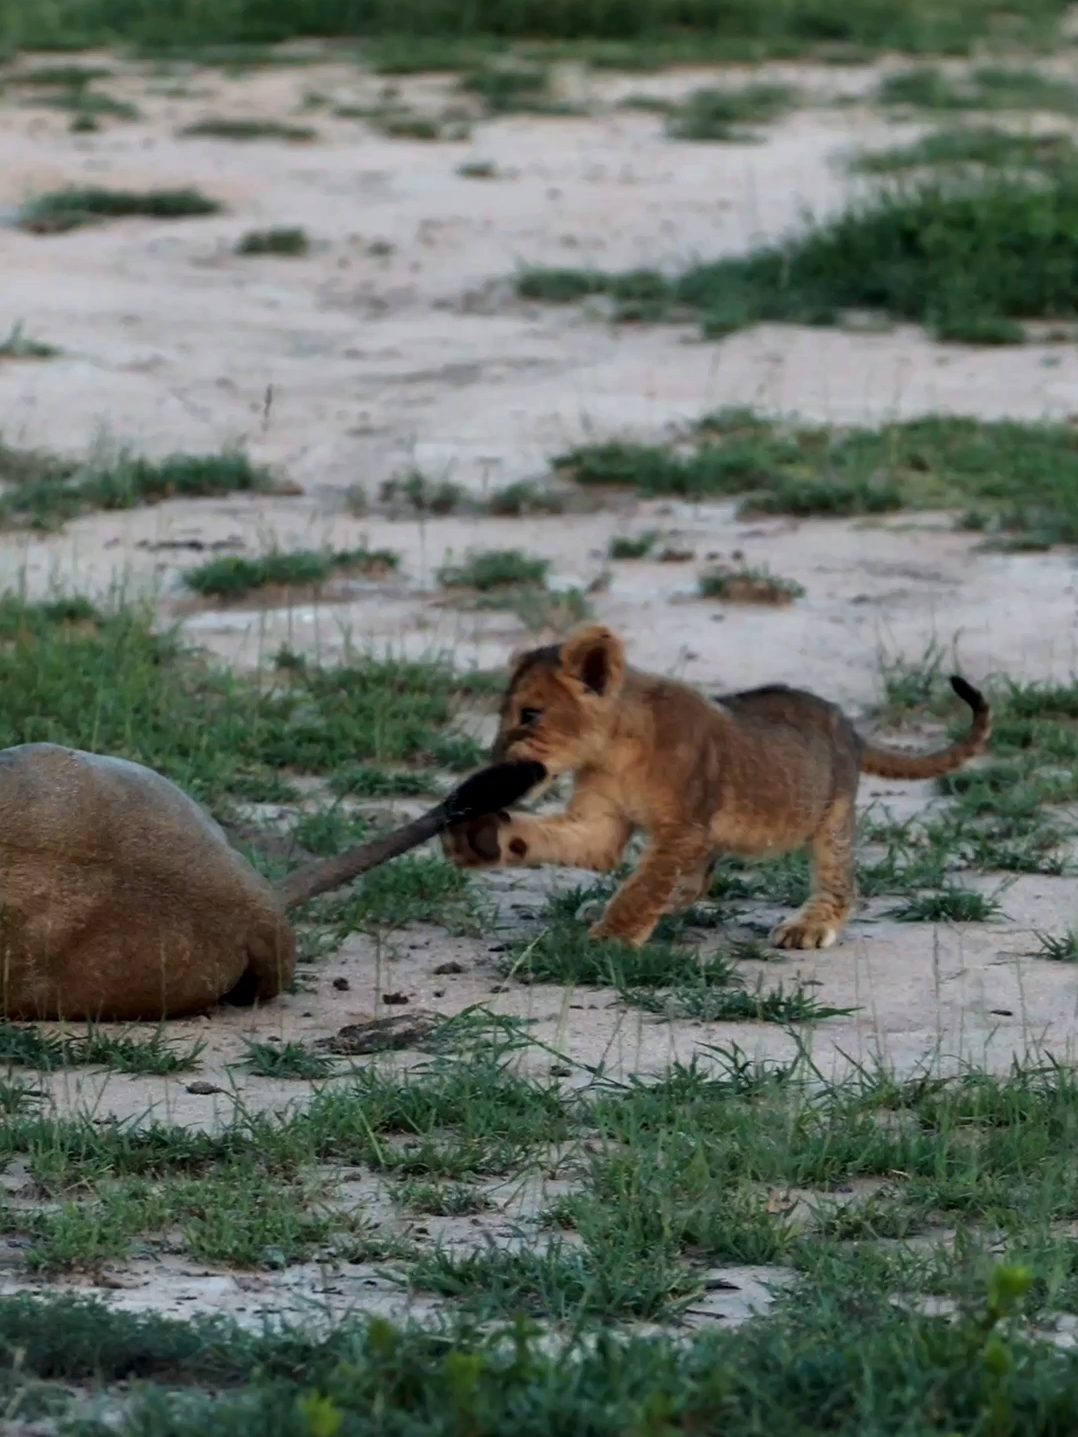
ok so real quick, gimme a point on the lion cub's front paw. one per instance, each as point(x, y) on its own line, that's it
point(804, 932)
point(475, 843)
point(487, 842)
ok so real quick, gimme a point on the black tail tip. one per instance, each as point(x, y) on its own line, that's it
point(969, 695)
point(494, 788)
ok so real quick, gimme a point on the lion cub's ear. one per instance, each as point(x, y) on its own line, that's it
point(596, 657)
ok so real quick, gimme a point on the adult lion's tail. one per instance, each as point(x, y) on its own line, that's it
point(886, 763)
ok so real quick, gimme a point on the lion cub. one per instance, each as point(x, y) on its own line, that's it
point(754, 773)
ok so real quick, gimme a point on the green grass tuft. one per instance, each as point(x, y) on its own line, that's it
point(291, 243)
point(494, 569)
point(1018, 480)
point(286, 1060)
point(748, 586)
point(1059, 947)
point(17, 345)
point(968, 260)
point(42, 491)
point(974, 145)
point(232, 577)
point(951, 904)
point(727, 115)
point(58, 211)
point(33, 1047)
point(220, 128)
point(987, 87)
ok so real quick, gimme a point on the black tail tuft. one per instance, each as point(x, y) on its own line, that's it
point(493, 788)
point(969, 695)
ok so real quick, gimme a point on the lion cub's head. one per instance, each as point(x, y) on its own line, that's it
point(561, 701)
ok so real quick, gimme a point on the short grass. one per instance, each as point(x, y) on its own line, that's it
point(233, 577)
point(58, 211)
point(638, 546)
point(42, 490)
point(507, 88)
point(748, 586)
point(493, 569)
point(287, 1060)
point(986, 87)
point(24, 1045)
point(241, 130)
point(19, 345)
point(434, 33)
point(984, 145)
point(510, 579)
point(727, 114)
point(960, 1186)
point(84, 103)
point(60, 77)
point(1015, 482)
point(287, 242)
point(969, 258)
point(417, 493)
point(109, 682)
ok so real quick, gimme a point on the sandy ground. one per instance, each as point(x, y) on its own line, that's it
point(396, 345)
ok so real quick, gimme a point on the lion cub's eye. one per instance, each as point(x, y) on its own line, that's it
point(529, 716)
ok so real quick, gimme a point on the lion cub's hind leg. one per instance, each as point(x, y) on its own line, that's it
point(817, 922)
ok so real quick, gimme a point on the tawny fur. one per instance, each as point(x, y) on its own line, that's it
point(755, 774)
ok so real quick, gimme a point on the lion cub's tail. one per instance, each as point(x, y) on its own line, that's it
point(886, 763)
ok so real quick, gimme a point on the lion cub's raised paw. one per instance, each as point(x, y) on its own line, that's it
point(804, 932)
point(487, 842)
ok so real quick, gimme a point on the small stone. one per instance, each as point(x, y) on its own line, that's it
point(395, 1000)
point(451, 967)
point(342, 985)
point(203, 1089)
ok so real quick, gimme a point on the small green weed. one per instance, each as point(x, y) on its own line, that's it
point(478, 170)
point(232, 577)
point(422, 495)
point(219, 128)
point(494, 569)
point(748, 586)
point(287, 1060)
point(405, 124)
point(987, 87)
point(43, 491)
point(638, 547)
point(951, 904)
point(523, 497)
point(18, 345)
point(708, 1004)
point(63, 77)
point(507, 89)
point(34, 1047)
point(558, 1281)
point(974, 145)
point(442, 1199)
point(727, 115)
point(410, 890)
point(290, 243)
point(58, 211)
point(86, 104)
point(1059, 947)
